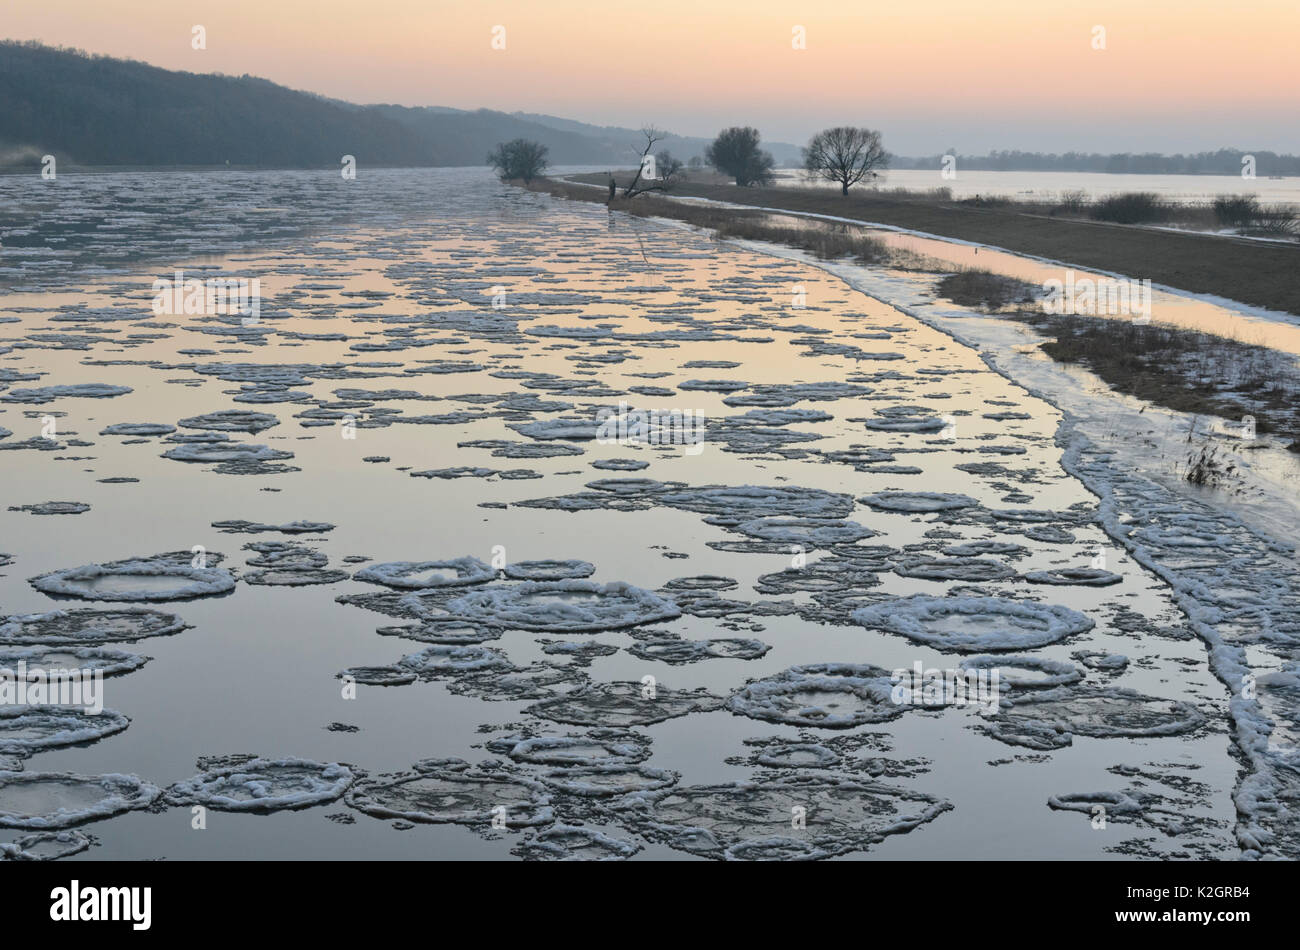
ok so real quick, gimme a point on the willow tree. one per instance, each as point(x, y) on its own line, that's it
point(520, 158)
point(735, 152)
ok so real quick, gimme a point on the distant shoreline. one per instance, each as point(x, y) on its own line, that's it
point(70, 168)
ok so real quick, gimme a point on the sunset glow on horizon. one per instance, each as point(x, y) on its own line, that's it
point(1172, 76)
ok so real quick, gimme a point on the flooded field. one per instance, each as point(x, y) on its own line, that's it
point(509, 528)
point(1191, 189)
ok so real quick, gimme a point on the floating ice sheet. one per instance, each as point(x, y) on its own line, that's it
point(264, 785)
point(28, 729)
point(160, 577)
point(49, 659)
point(418, 575)
point(45, 846)
point(973, 624)
point(823, 695)
point(55, 800)
point(88, 626)
point(563, 842)
point(1049, 719)
point(574, 606)
point(919, 502)
point(743, 820)
point(445, 796)
point(624, 704)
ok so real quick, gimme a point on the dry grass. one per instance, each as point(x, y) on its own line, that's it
point(828, 243)
point(1262, 274)
point(1206, 468)
point(986, 290)
point(1181, 369)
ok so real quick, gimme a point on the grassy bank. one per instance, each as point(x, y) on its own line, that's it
point(826, 240)
point(1262, 274)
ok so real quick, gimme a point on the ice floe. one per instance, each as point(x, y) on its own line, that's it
point(379, 675)
point(56, 800)
point(53, 508)
point(46, 846)
point(1078, 576)
point(46, 394)
point(562, 842)
point(624, 704)
point(905, 419)
point(797, 755)
point(88, 626)
point(823, 695)
point(748, 502)
point(49, 660)
point(918, 502)
point(454, 795)
point(1049, 719)
point(161, 577)
point(420, 575)
point(254, 527)
point(597, 747)
point(446, 660)
point(28, 729)
point(692, 651)
point(264, 785)
point(607, 781)
point(138, 429)
point(1026, 672)
point(971, 569)
point(231, 420)
point(808, 532)
point(973, 624)
point(986, 548)
point(758, 820)
point(234, 455)
point(539, 681)
point(549, 570)
point(573, 606)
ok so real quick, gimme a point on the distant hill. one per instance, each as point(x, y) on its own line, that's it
point(96, 110)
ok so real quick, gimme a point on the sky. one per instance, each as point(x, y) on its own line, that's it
point(1036, 75)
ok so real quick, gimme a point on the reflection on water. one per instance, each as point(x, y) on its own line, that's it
point(476, 347)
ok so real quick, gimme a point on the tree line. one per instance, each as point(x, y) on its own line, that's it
point(849, 155)
point(846, 155)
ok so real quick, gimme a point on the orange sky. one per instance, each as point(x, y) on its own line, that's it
point(1176, 75)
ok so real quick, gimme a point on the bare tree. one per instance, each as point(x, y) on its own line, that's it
point(654, 172)
point(845, 154)
point(519, 159)
point(670, 168)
